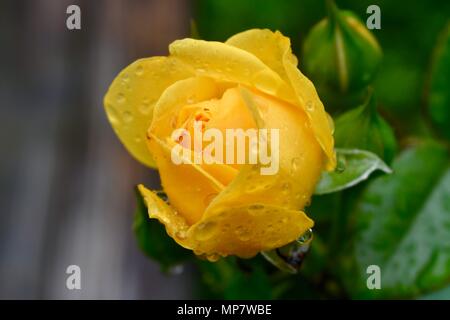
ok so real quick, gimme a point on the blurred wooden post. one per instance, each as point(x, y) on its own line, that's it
point(70, 180)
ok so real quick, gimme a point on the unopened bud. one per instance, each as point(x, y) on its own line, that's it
point(340, 54)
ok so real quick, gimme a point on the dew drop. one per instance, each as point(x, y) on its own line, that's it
point(255, 208)
point(139, 70)
point(341, 164)
point(310, 106)
point(242, 233)
point(162, 195)
point(306, 237)
point(145, 106)
point(212, 257)
point(190, 100)
point(295, 164)
point(125, 78)
point(151, 207)
point(181, 235)
point(251, 188)
point(290, 257)
point(121, 98)
point(226, 227)
point(205, 231)
point(127, 116)
point(286, 187)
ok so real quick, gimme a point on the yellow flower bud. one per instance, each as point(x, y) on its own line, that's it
point(249, 82)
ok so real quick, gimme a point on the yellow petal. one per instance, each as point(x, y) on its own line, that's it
point(175, 224)
point(245, 230)
point(319, 119)
point(132, 96)
point(242, 231)
point(268, 46)
point(259, 212)
point(228, 63)
point(274, 50)
point(300, 157)
point(190, 188)
point(185, 92)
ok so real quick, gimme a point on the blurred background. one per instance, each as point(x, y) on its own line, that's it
point(66, 181)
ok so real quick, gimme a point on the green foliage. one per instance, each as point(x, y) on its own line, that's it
point(439, 91)
point(231, 278)
point(340, 54)
point(403, 225)
point(363, 128)
point(153, 240)
point(354, 166)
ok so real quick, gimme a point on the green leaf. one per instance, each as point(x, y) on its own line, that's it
point(153, 239)
point(234, 278)
point(354, 166)
point(443, 294)
point(403, 226)
point(364, 128)
point(439, 93)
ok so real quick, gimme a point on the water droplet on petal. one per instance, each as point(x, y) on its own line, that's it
point(255, 208)
point(181, 235)
point(310, 105)
point(151, 207)
point(121, 98)
point(127, 116)
point(204, 231)
point(145, 106)
point(139, 70)
point(295, 164)
point(162, 195)
point(125, 78)
point(242, 233)
point(286, 187)
point(212, 257)
point(289, 258)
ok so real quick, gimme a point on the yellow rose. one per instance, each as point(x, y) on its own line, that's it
point(250, 81)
